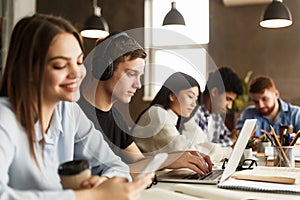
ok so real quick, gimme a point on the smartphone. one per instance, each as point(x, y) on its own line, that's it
point(154, 164)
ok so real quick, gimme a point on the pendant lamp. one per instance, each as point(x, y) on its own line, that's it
point(173, 17)
point(95, 26)
point(276, 15)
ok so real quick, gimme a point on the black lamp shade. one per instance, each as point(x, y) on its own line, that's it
point(95, 27)
point(173, 17)
point(276, 15)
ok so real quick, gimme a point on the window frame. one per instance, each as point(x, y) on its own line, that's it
point(152, 47)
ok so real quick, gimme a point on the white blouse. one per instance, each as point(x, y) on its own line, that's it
point(156, 132)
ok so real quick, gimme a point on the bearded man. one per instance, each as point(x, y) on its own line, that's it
point(269, 108)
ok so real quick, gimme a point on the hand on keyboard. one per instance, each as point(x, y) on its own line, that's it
point(209, 176)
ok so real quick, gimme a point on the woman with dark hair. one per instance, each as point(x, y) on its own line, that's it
point(162, 126)
point(41, 126)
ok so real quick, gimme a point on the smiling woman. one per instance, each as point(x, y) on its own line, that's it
point(40, 125)
point(64, 71)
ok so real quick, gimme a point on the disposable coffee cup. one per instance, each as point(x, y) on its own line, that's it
point(73, 173)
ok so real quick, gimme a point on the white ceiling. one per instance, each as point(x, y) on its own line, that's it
point(244, 2)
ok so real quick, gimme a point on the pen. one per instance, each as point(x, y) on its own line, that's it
point(283, 138)
point(275, 137)
point(253, 132)
point(288, 141)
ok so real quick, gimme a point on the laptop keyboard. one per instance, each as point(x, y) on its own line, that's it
point(213, 175)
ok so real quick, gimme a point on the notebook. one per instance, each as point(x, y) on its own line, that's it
point(217, 176)
point(260, 186)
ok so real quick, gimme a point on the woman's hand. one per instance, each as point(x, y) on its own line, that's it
point(119, 188)
point(134, 177)
point(93, 181)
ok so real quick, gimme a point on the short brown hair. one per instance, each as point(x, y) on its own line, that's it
point(260, 83)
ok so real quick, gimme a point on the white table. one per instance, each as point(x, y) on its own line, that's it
point(164, 190)
point(211, 192)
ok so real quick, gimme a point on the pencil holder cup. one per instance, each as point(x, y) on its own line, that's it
point(284, 156)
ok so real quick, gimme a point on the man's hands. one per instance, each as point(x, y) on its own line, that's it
point(194, 160)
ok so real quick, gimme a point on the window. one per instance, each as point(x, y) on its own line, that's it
point(171, 48)
point(10, 13)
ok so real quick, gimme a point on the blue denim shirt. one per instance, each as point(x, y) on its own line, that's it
point(289, 115)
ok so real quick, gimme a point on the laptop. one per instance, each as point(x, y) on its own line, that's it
point(216, 176)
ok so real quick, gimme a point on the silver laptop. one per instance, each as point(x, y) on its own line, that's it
point(216, 176)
